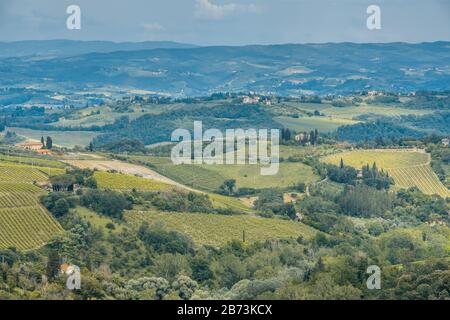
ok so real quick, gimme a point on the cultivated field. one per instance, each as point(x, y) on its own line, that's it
point(145, 179)
point(16, 173)
point(42, 162)
point(12, 172)
point(24, 223)
point(67, 139)
point(407, 168)
point(26, 227)
point(121, 167)
point(216, 230)
point(306, 151)
point(220, 201)
point(211, 177)
point(386, 159)
point(354, 111)
point(119, 181)
point(422, 177)
point(322, 124)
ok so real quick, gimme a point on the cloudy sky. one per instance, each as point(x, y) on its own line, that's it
point(227, 22)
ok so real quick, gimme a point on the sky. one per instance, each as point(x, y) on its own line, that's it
point(227, 22)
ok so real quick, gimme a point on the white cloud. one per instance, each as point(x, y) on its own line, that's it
point(152, 26)
point(205, 9)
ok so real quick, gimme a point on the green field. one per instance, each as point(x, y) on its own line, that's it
point(352, 112)
point(119, 181)
point(322, 124)
point(407, 168)
point(104, 114)
point(306, 151)
point(99, 221)
point(24, 223)
point(217, 230)
point(220, 201)
point(41, 162)
point(383, 158)
point(13, 172)
point(124, 182)
point(211, 177)
point(67, 139)
point(26, 227)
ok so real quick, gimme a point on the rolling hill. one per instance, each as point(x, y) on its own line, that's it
point(217, 230)
point(61, 48)
point(289, 69)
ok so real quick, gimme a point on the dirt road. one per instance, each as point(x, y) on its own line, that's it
point(126, 168)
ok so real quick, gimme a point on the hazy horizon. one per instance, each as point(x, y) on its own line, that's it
point(227, 22)
point(222, 45)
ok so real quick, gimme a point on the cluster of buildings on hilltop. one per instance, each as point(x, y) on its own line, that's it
point(255, 100)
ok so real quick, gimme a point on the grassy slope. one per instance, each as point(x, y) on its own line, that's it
point(211, 177)
point(118, 181)
point(322, 124)
point(217, 230)
point(124, 182)
point(354, 111)
point(61, 138)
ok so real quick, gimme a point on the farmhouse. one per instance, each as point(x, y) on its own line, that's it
point(360, 174)
point(301, 137)
point(30, 145)
point(250, 100)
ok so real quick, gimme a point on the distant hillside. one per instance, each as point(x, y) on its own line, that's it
point(158, 128)
point(282, 69)
point(58, 48)
point(388, 128)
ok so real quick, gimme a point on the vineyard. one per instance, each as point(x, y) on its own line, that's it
point(12, 172)
point(422, 177)
point(211, 177)
point(220, 201)
point(24, 223)
point(407, 168)
point(26, 228)
point(22, 174)
point(217, 230)
point(31, 161)
point(118, 181)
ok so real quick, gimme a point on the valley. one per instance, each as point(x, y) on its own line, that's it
point(87, 177)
